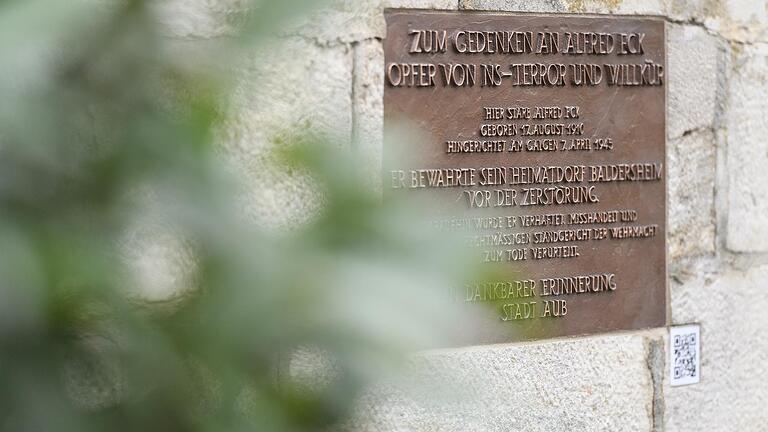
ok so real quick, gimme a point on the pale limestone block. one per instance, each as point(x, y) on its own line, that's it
point(695, 78)
point(732, 393)
point(746, 19)
point(747, 150)
point(368, 106)
point(696, 11)
point(746, 10)
point(647, 7)
point(516, 5)
point(422, 4)
point(341, 21)
point(588, 384)
point(292, 89)
point(742, 20)
point(691, 171)
point(625, 7)
point(325, 22)
point(346, 21)
point(200, 19)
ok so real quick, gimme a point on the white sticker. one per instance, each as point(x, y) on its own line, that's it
point(685, 355)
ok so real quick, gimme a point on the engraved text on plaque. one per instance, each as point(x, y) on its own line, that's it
point(545, 148)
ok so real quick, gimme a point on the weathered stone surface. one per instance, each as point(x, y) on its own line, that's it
point(422, 4)
point(347, 21)
point(691, 171)
point(590, 384)
point(336, 22)
point(343, 21)
point(368, 107)
point(695, 70)
point(696, 63)
point(516, 5)
point(743, 20)
point(616, 6)
point(694, 11)
point(732, 394)
point(578, 6)
point(747, 150)
point(200, 19)
point(295, 89)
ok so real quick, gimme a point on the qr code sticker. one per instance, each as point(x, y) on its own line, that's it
point(685, 351)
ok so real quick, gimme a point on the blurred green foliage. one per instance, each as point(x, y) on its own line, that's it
point(102, 128)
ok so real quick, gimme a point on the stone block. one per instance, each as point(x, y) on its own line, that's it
point(731, 311)
point(649, 7)
point(341, 21)
point(422, 4)
point(742, 20)
point(691, 174)
point(745, 20)
point(368, 107)
point(590, 384)
point(516, 5)
point(747, 150)
point(292, 89)
point(695, 77)
point(347, 21)
point(324, 22)
point(192, 19)
point(625, 7)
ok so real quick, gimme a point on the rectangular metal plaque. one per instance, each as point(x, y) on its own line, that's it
point(544, 145)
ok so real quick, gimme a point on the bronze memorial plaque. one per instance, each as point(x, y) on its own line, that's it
point(544, 146)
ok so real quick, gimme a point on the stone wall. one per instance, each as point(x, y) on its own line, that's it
point(718, 218)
